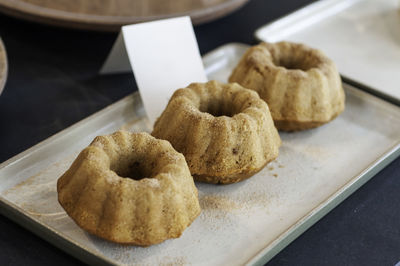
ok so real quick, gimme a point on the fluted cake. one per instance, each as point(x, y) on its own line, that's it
point(130, 188)
point(301, 85)
point(225, 131)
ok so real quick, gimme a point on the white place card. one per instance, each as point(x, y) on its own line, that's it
point(163, 55)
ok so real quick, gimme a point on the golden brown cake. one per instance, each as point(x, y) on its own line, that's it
point(224, 130)
point(301, 85)
point(130, 188)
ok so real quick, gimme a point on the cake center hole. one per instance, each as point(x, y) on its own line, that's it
point(135, 170)
point(218, 108)
point(293, 64)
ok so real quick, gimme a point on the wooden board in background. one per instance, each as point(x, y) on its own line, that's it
point(112, 14)
point(3, 66)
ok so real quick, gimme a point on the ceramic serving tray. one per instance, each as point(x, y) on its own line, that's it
point(361, 36)
point(243, 223)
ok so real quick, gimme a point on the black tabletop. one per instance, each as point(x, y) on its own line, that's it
point(53, 83)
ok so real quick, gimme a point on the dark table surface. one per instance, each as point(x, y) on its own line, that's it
point(53, 83)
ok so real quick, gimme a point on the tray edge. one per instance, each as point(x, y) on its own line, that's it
point(62, 133)
point(64, 243)
point(303, 13)
point(266, 254)
point(13, 212)
point(314, 7)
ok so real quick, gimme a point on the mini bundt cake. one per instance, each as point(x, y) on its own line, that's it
point(225, 131)
point(301, 85)
point(130, 188)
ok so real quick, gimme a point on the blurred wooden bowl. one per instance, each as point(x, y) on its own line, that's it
point(110, 15)
point(3, 66)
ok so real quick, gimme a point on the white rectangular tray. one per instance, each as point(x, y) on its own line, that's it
point(361, 36)
point(244, 223)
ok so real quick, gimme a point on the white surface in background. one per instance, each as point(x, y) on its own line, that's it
point(361, 36)
point(163, 55)
point(238, 220)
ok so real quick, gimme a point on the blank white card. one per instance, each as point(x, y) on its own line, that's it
point(163, 55)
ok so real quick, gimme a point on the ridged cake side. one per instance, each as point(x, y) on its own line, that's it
point(225, 131)
point(301, 85)
point(122, 209)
